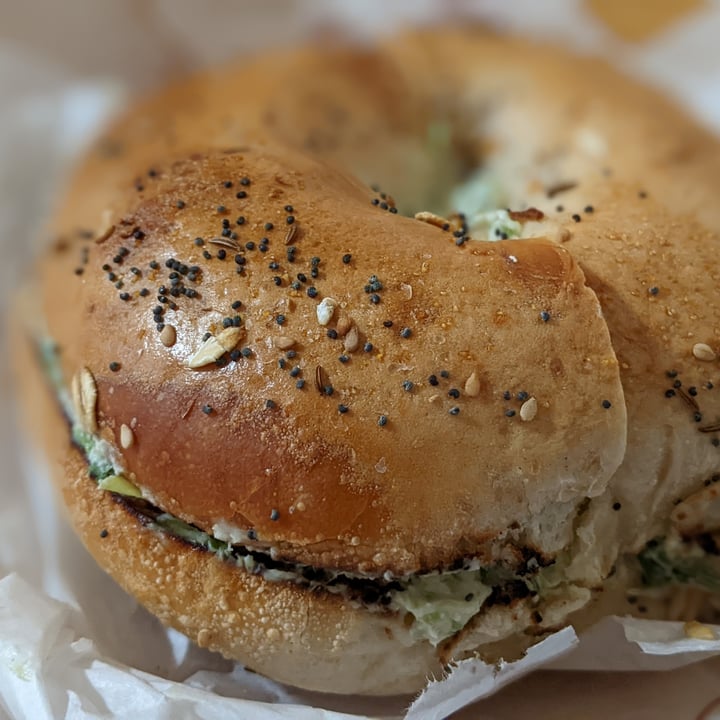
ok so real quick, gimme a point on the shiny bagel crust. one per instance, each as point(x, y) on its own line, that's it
point(407, 450)
point(228, 445)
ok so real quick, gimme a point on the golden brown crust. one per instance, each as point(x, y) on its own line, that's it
point(309, 639)
point(638, 214)
point(347, 491)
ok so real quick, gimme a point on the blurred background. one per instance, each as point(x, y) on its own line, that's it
point(66, 65)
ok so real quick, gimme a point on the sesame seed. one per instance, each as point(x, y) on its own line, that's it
point(281, 363)
point(240, 194)
point(290, 219)
point(692, 390)
point(274, 515)
point(252, 534)
point(347, 258)
point(328, 390)
point(114, 366)
point(528, 410)
point(387, 323)
point(576, 218)
point(653, 290)
point(207, 255)
point(545, 316)
point(454, 410)
point(312, 291)
point(250, 245)
point(677, 384)
point(277, 280)
point(268, 226)
point(125, 296)
point(697, 417)
point(382, 420)
point(510, 413)
point(300, 384)
point(616, 506)
point(221, 254)
point(472, 385)
point(270, 404)
point(606, 404)
point(221, 208)
point(344, 359)
point(236, 305)
point(144, 292)
point(454, 393)
point(342, 409)
point(433, 380)
point(444, 374)
point(235, 355)
point(295, 371)
point(669, 393)
point(589, 209)
point(408, 385)
point(332, 334)
point(240, 220)
point(702, 351)
point(368, 347)
point(522, 396)
point(246, 352)
point(406, 332)
point(207, 409)
point(245, 181)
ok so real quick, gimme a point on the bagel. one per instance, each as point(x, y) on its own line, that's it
point(350, 434)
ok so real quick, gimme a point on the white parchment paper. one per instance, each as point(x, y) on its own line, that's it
point(71, 644)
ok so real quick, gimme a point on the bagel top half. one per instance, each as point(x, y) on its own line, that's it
point(353, 394)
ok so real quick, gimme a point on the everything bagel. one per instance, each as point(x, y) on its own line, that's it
point(348, 432)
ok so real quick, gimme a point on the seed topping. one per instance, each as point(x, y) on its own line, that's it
point(214, 347)
point(704, 352)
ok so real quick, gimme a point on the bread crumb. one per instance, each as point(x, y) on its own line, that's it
point(698, 631)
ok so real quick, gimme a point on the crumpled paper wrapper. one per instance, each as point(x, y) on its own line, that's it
point(71, 644)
